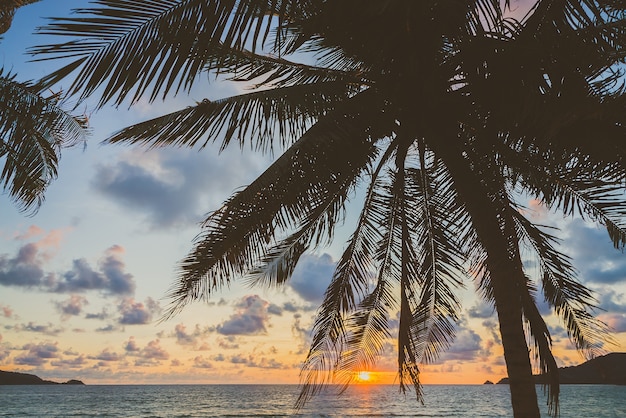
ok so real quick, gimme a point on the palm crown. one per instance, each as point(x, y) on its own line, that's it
point(442, 111)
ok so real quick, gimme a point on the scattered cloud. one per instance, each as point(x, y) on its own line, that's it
point(110, 276)
point(107, 355)
point(71, 307)
point(251, 318)
point(202, 363)
point(593, 254)
point(48, 329)
point(137, 313)
point(312, 276)
point(7, 312)
point(185, 338)
point(26, 269)
point(175, 188)
point(481, 310)
point(37, 354)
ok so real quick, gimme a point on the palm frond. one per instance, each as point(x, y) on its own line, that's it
point(33, 129)
point(236, 236)
point(368, 330)
point(348, 286)
point(105, 42)
point(439, 257)
point(266, 116)
point(571, 300)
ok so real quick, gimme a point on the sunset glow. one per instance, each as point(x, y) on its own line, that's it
point(364, 376)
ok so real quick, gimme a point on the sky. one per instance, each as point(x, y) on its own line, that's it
point(83, 281)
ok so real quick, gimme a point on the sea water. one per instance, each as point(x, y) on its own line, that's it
point(278, 400)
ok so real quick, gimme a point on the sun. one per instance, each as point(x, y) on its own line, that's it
point(364, 376)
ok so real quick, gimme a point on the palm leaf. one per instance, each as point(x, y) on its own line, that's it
point(106, 39)
point(270, 115)
point(348, 286)
point(33, 129)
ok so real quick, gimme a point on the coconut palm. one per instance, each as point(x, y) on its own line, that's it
point(33, 129)
point(443, 113)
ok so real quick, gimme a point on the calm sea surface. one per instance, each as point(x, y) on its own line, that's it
point(277, 401)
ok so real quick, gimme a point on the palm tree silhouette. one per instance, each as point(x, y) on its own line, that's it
point(33, 130)
point(443, 112)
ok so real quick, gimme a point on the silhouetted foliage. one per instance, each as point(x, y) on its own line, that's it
point(33, 129)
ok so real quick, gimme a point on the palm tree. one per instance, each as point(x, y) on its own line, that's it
point(33, 129)
point(443, 112)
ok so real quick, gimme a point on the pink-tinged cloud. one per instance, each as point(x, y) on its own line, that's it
point(73, 363)
point(251, 318)
point(71, 307)
point(107, 355)
point(202, 363)
point(186, 338)
point(137, 313)
point(616, 321)
point(538, 211)
point(32, 231)
point(7, 311)
point(131, 346)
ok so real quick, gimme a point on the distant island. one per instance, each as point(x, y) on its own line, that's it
point(604, 370)
point(13, 378)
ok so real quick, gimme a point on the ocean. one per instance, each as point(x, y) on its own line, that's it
point(277, 401)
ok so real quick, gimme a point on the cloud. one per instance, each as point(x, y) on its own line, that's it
point(48, 329)
point(7, 311)
point(593, 253)
point(265, 363)
point(251, 318)
point(615, 321)
point(228, 343)
point(110, 276)
point(25, 269)
point(71, 307)
point(38, 354)
point(481, 310)
point(75, 363)
point(175, 188)
point(465, 347)
point(183, 337)
point(102, 315)
point(312, 276)
point(202, 363)
point(32, 231)
point(152, 353)
point(131, 346)
point(107, 355)
point(137, 313)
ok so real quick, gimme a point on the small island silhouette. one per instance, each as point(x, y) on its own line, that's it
point(14, 378)
point(609, 369)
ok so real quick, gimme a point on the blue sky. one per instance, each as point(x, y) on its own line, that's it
point(82, 281)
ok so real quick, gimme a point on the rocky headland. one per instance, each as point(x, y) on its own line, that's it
point(604, 370)
point(13, 378)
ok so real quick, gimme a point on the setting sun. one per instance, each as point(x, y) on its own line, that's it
point(364, 376)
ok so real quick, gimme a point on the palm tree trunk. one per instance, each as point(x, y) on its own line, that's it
point(509, 309)
point(504, 275)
